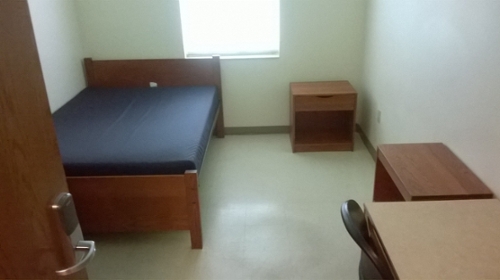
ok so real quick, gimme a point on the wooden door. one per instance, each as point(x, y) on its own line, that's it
point(33, 244)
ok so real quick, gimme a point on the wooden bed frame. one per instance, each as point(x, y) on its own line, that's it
point(153, 202)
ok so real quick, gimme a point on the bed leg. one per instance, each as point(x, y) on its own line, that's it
point(219, 128)
point(193, 208)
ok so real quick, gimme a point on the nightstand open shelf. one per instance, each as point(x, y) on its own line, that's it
point(322, 142)
point(322, 116)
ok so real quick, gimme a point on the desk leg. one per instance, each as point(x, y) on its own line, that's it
point(384, 188)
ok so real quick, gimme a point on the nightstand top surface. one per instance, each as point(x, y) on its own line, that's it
point(322, 88)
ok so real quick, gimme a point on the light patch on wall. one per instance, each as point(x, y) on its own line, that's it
point(244, 28)
point(57, 35)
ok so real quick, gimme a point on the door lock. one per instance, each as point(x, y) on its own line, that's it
point(66, 211)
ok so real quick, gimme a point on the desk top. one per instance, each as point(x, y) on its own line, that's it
point(430, 171)
point(440, 239)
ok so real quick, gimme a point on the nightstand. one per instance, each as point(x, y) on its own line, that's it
point(322, 116)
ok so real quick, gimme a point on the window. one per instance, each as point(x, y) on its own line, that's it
point(230, 28)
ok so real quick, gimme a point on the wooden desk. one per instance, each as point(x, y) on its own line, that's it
point(426, 171)
point(439, 239)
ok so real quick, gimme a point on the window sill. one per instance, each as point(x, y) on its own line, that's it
point(234, 56)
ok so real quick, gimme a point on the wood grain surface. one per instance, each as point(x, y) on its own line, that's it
point(138, 203)
point(33, 244)
point(429, 171)
point(440, 239)
point(322, 116)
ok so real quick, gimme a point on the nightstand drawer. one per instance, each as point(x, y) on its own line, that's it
point(337, 102)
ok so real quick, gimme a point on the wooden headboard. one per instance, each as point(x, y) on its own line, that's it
point(164, 72)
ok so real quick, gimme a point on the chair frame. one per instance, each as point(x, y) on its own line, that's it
point(356, 225)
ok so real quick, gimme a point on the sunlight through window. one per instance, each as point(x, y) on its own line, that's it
point(230, 28)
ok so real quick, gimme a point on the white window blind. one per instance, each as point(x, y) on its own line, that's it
point(230, 28)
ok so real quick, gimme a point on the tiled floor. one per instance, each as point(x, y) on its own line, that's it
point(267, 214)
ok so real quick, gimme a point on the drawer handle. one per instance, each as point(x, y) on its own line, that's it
point(324, 96)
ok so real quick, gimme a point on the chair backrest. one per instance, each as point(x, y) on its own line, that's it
point(355, 223)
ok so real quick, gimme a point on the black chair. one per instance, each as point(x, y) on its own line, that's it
point(371, 266)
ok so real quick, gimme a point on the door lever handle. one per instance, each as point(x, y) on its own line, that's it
point(89, 247)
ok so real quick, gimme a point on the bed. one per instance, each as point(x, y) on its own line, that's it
point(131, 152)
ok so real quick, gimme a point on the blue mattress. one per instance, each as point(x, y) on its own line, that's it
point(135, 131)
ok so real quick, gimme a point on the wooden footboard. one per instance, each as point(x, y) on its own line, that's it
point(138, 203)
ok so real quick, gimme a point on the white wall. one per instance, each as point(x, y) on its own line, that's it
point(320, 40)
point(433, 70)
point(57, 34)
